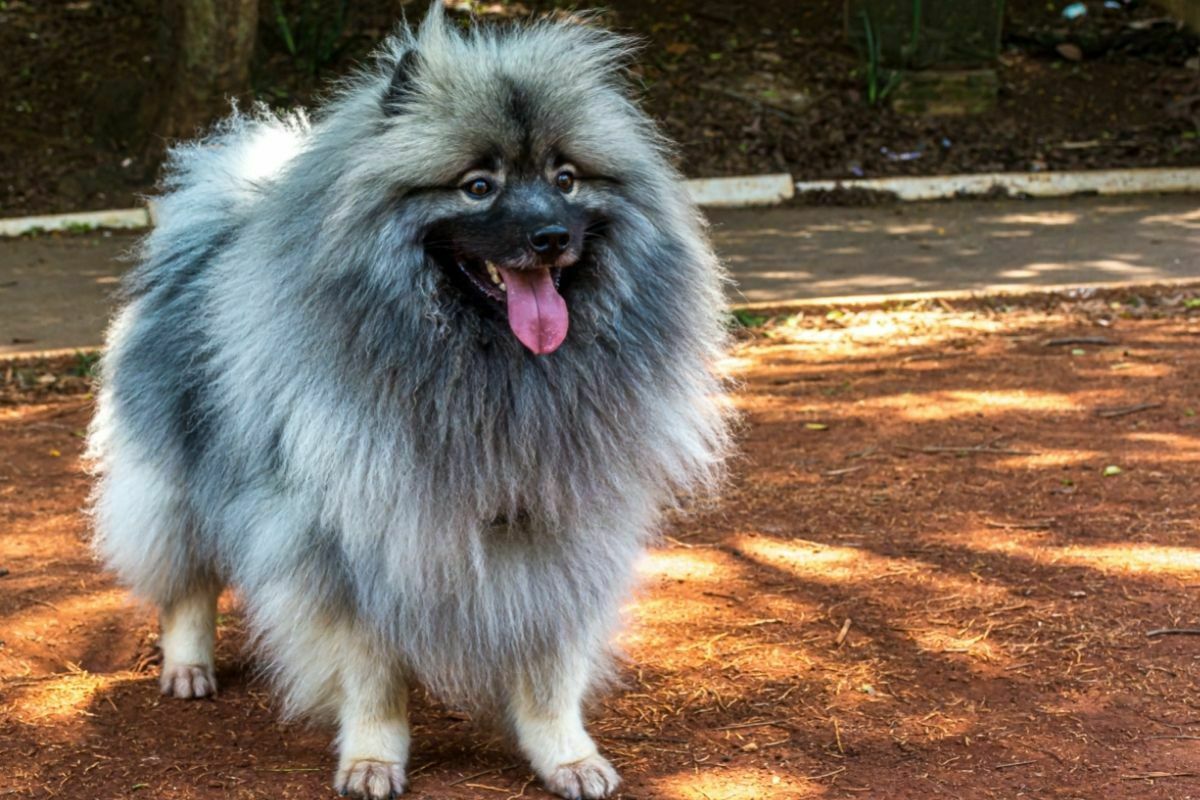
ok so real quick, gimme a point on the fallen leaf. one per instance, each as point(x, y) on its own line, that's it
point(1070, 52)
point(1112, 470)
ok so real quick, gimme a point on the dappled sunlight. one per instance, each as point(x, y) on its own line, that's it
point(1049, 459)
point(695, 565)
point(1105, 268)
point(1189, 220)
point(740, 784)
point(910, 228)
point(1034, 218)
point(651, 618)
point(1125, 558)
point(814, 561)
point(55, 699)
point(1130, 558)
point(1168, 446)
point(780, 255)
point(960, 403)
point(46, 614)
point(1129, 369)
point(824, 563)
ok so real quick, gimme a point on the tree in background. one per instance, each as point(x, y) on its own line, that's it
point(208, 46)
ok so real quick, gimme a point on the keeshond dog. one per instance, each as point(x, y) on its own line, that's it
point(418, 379)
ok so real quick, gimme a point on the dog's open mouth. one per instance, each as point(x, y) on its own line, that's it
point(528, 296)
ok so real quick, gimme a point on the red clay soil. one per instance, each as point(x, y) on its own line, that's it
point(926, 578)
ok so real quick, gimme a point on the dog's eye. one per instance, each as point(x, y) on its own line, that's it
point(565, 181)
point(480, 187)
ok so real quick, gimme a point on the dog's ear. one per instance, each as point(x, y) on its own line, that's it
point(401, 87)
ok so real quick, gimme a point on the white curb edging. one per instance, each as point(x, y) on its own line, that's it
point(766, 190)
point(1035, 184)
point(86, 220)
point(742, 191)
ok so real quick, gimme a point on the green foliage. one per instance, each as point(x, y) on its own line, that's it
point(312, 36)
point(881, 81)
point(741, 318)
point(85, 363)
point(877, 89)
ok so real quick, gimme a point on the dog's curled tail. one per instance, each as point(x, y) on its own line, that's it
point(209, 187)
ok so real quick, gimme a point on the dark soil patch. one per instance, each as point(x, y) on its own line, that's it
point(743, 88)
point(919, 583)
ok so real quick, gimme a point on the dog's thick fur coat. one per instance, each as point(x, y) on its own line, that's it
point(297, 403)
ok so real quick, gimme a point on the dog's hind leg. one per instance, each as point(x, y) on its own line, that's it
point(546, 710)
point(189, 628)
point(145, 536)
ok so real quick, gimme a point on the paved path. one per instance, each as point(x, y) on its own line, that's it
point(54, 290)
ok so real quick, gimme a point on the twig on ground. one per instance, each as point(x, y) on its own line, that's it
point(829, 774)
point(481, 774)
point(841, 637)
point(1146, 776)
point(833, 473)
point(978, 448)
point(1070, 340)
point(769, 723)
point(1174, 632)
point(1109, 413)
point(1016, 764)
point(1012, 526)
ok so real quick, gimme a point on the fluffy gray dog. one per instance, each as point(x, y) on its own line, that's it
point(418, 379)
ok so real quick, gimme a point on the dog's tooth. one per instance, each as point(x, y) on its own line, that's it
point(493, 273)
point(503, 288)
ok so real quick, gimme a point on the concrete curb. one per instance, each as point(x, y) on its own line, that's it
point(737, 192)
point(742, 191)
point(766, 190)
point(1034, 184)
point(86, 220)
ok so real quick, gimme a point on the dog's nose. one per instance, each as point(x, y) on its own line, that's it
point(550, 240)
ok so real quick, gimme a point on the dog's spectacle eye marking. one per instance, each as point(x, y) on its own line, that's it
point(565, 180)
point(479, 187)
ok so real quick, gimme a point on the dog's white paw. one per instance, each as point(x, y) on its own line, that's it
point(591, 778)
point(187, 681)
point(370, 780)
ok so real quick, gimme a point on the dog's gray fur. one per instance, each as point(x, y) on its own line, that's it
point(295, 403)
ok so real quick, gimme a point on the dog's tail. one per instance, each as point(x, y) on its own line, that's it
point(209, 188)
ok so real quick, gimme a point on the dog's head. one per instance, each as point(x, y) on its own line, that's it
point(518, 230)
point(518, 148)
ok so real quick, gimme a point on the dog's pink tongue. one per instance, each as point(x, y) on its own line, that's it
point(537, 313)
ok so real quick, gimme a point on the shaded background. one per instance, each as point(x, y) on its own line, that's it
point(91, 91)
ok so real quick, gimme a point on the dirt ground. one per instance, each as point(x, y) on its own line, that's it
point(953, 560)
point(763, 86)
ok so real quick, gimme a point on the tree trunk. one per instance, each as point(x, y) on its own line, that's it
point(208, 48)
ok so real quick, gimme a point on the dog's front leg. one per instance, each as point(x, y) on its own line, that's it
point(546, 710)
point(373, 736)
